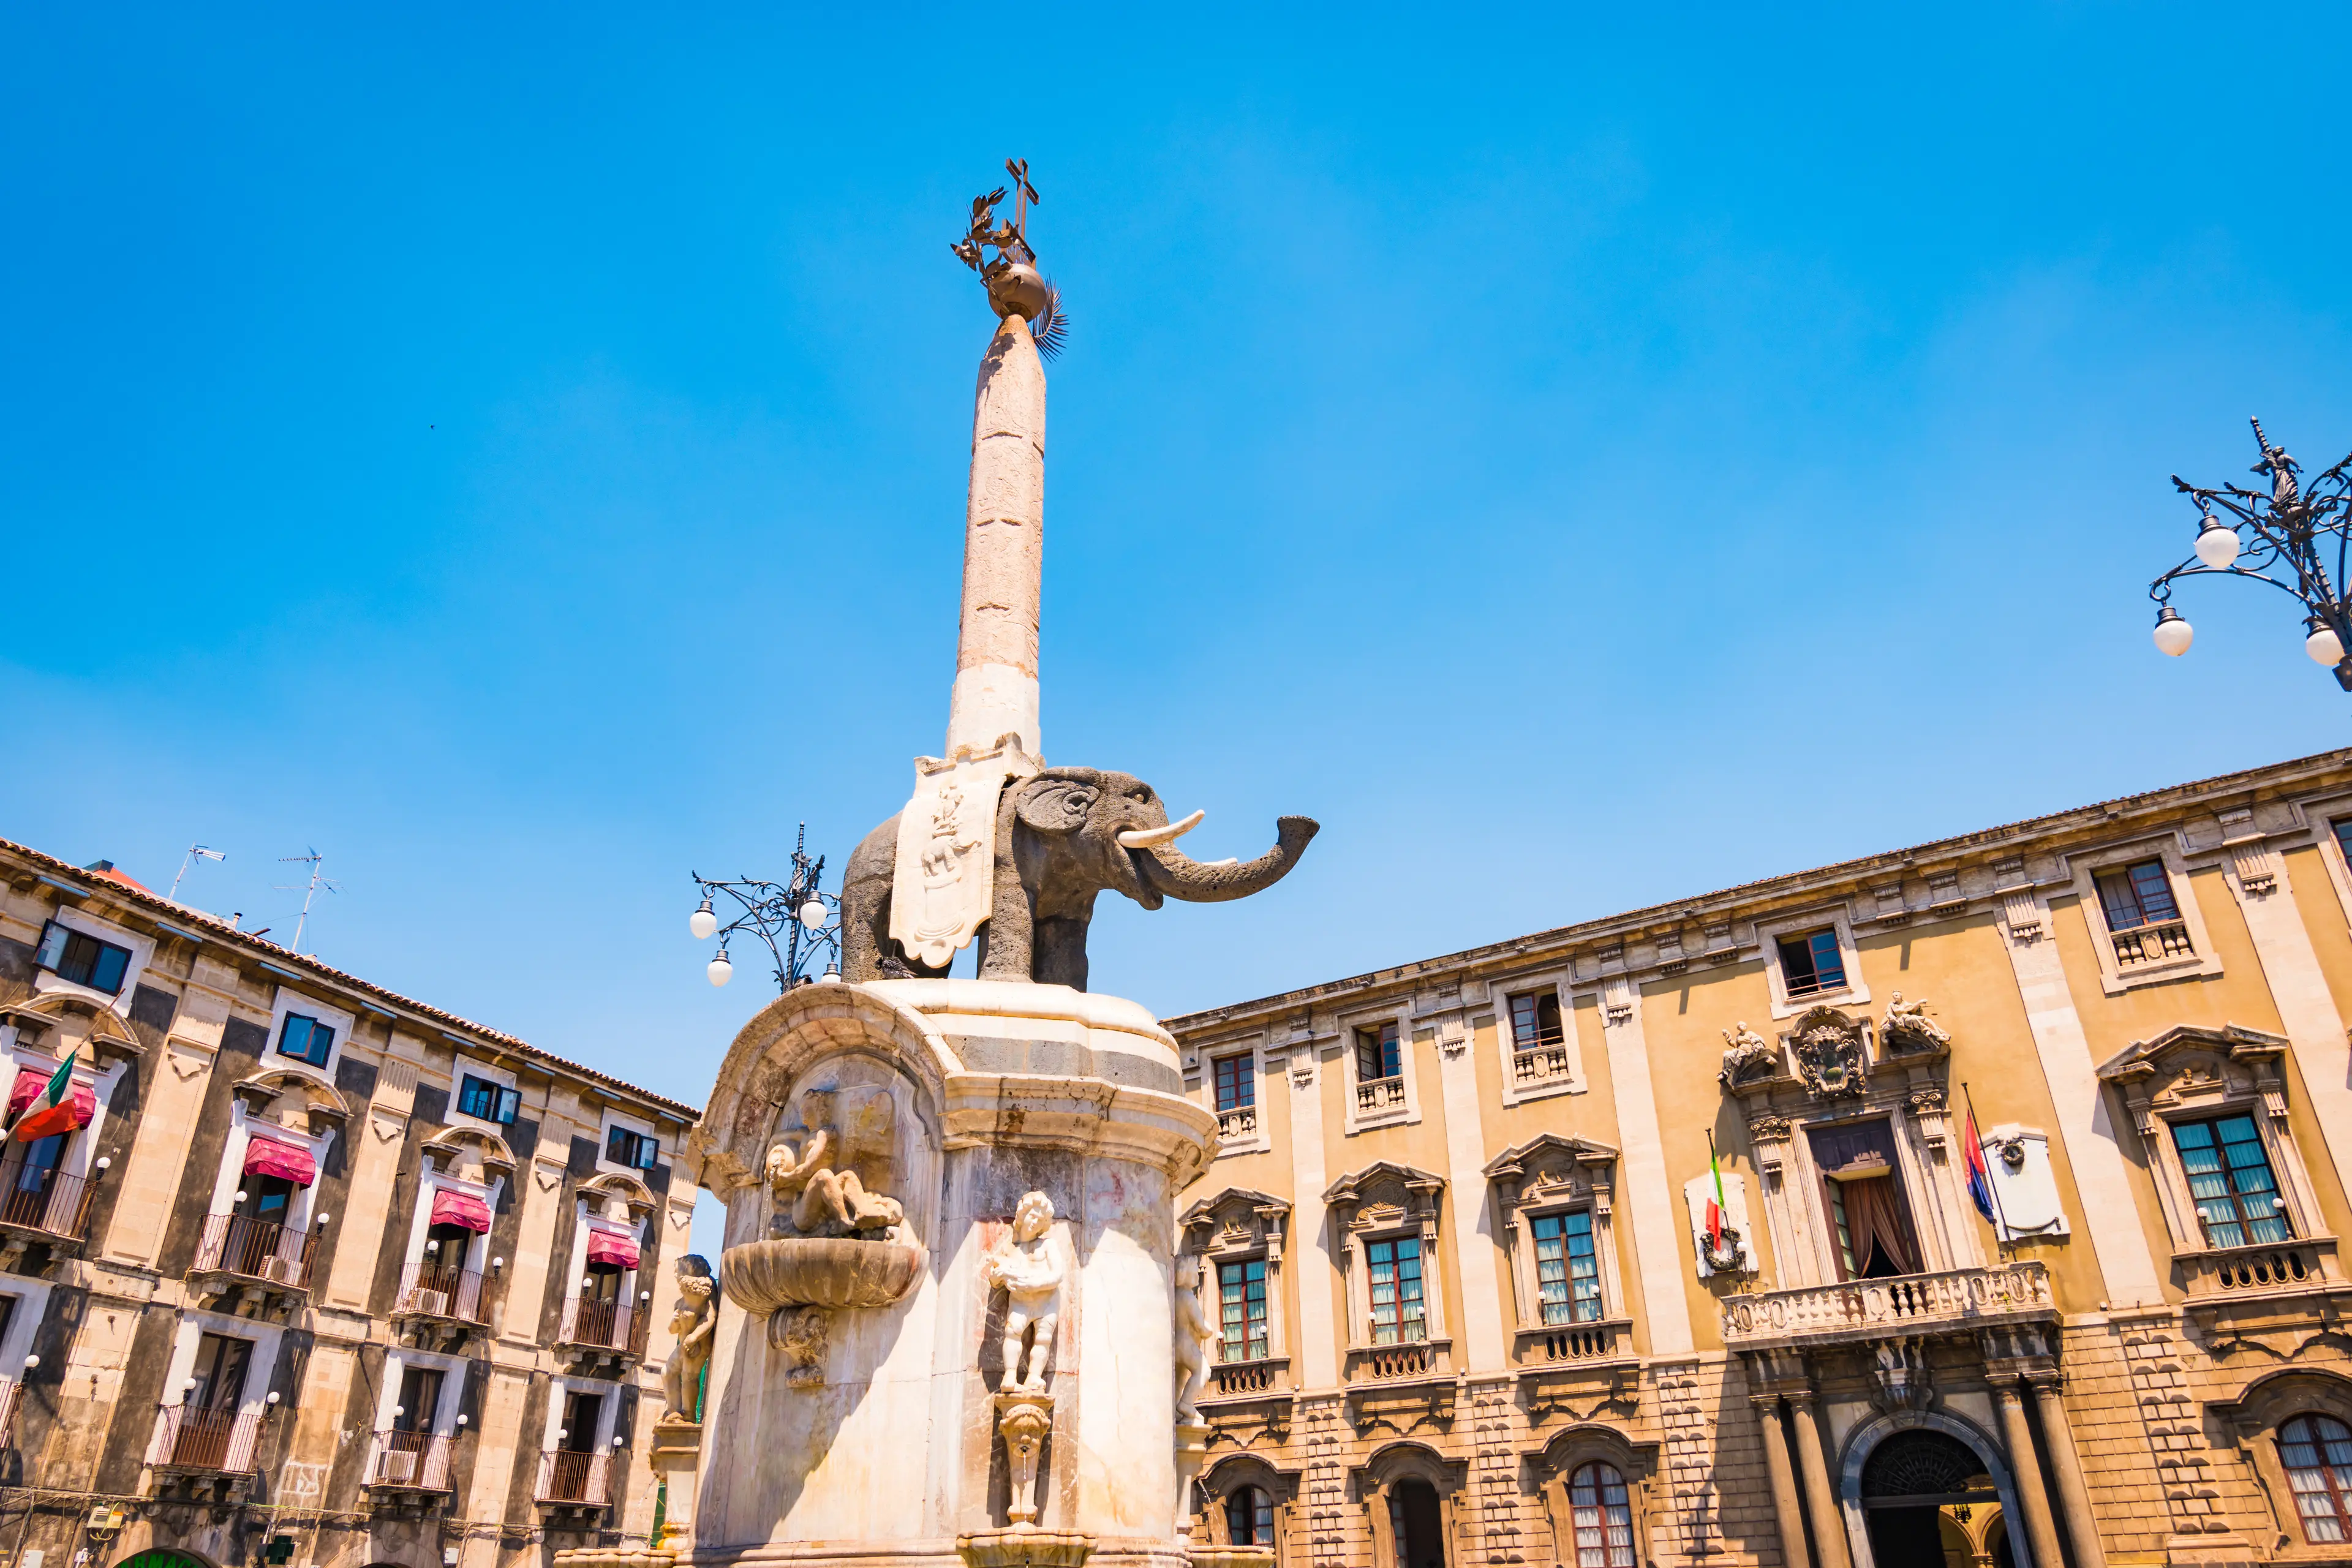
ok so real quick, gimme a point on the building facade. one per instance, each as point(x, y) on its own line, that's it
point(300, 1270)
point(2034, 1147)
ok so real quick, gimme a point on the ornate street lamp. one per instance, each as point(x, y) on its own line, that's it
point(2294, 531)
point(806, 919)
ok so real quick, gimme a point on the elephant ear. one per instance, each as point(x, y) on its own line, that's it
point(1051, 804)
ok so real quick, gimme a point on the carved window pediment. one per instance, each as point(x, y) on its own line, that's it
point(1386, 1195)
point(1236, 1220)
point(2192, 1068)
point(1550, 1169)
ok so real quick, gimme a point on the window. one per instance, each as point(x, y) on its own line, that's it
point(2343, 827)
point(1864, 1197)
point(1377, 1053)
point(2139, 895)
point(216, 1382)
point(1249, 1516)
point(634, 1150)
point(582, 1415)
point(1236, 1082)
point(1240, 1310)
point(1535, 1022)
point(1811, 962)
point(1568, 1275)
point(420, 1397)
point(490, 1102)
point(266, 1198)
point(1396, 1291)
point(1603, 1517)
point(83, 959)
point(2317, 1453)
point(305, 1040)
point(2230, 1178)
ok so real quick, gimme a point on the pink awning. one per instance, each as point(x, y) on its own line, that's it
point(608, 1246)
point(269, 1157)
point(461, 1208)
point(33, 1082)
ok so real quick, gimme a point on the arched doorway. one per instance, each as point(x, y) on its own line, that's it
point(1919, 1489)
point(1416, 1524)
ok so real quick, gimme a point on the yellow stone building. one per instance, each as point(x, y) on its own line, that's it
point(1469, 1306)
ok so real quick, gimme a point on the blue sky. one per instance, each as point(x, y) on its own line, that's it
point(1582, 459)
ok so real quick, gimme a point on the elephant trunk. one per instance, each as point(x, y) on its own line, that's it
point(1170, 871)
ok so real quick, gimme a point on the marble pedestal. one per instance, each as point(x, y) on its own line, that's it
point(871, 1434)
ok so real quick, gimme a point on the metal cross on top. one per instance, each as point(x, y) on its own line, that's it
point(1023, 193)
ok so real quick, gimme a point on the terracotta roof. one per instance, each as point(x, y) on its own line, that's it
point(218, 929)
point(1786, 881)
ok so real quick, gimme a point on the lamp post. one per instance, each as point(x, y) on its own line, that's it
point(800, 913)
point(2294, 531)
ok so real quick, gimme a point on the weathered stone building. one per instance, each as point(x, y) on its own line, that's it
point(310, 1272)
point(1469, 1307)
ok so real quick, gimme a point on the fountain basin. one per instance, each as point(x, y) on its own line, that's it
point(817, 1271)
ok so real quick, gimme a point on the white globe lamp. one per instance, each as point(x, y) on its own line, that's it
point(702, 922)
point(2217, 543)
point(721, 970)
point(2172, 634)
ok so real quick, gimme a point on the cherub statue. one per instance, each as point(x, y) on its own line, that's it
point(1192, 1342)
point(1031, 1274)
point(1910, 1018)
point(693, 1319)
point(1746, 1048)
point(826, 1201)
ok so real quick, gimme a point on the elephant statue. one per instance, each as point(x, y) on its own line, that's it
point(1062, 836)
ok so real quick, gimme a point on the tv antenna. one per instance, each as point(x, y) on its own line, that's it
point(309, 890)
point(195, 852)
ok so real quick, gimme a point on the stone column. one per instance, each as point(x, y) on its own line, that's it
point(1820, 1498)
point(2041, 1530)
point(1003, 555)
point(2073, 1495)
point(1784, 1484)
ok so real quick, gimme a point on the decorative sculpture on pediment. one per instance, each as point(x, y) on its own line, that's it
point(1748, 1057)
point(1908, 1030)
point(1830, 1054)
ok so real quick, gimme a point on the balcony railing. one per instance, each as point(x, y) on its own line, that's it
point(599, 1324)
point(255, 1249)
point(1579, 1342)
point(50, 1202)
point(2153, 944)
point(1906, 1303)
point(199, 1438)
point(1540, 1064)
point(12, 1393)
point(1381, 1094)
point(410, 1461)
point(1382, 1364)
point(580, 1479)
point(1229, 1380)
point(427, 1290)
point(1239, 1123)
point(2261, 1268)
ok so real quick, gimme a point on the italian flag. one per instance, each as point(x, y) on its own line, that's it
point(1714, 1204)
point(53, 1111)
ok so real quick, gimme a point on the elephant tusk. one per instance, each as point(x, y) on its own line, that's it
point(1153, 837)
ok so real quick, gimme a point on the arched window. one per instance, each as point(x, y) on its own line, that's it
point(2317, 1453)
point(1249, 1516)
point(1602, 1516)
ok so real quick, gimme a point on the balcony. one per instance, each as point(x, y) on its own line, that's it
point(1600, 1340)
point(41, 1205)
point(2251, 1285)
point(599, 1329)
point(1405, 1362)
point(1401, 1386)
point(2148, 944)
point(409, 1462)
point(1539, 1064)
point(205, 1442)
point(1376, 1095)
point(1239, 1124)
point(440, 1303)
point(259, 1250)
point(570, 1480)
point(1248, 1378)
point(1863, 1310)
point(12, 1393)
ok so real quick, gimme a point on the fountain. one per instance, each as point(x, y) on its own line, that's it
point(950, 1324)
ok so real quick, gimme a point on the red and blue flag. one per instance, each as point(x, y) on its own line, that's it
point(1980, 1178)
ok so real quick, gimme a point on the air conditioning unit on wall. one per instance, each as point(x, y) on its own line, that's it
point(395, 1468)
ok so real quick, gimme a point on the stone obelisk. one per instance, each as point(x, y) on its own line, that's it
point(995, 690)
